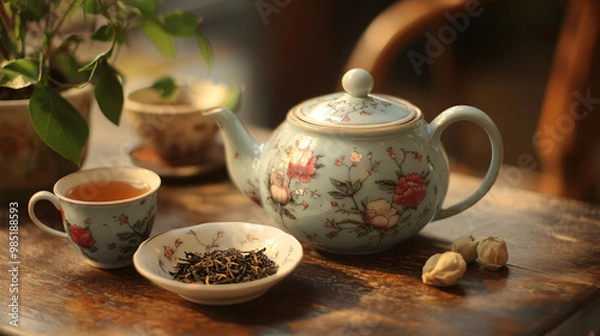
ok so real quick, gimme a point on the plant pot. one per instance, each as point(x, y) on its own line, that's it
point(27, 164)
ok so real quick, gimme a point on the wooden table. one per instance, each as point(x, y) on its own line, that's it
point(551, 283)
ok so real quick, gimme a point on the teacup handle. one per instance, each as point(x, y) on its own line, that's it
point(468, 113)
point(45, 196)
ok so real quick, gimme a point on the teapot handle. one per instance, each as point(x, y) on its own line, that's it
point(472, 114)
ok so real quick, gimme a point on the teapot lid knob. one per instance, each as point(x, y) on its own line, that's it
point(357, 82)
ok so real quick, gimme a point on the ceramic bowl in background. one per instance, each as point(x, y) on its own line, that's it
point(159, 254)
point(176, 130)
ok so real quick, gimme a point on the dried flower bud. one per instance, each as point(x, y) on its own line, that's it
point(492, 252)
point(466, 246)
point(444, 269)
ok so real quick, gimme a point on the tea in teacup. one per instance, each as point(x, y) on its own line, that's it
point(106, 191)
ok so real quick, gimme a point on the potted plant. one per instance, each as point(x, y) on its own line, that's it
point(40, 64)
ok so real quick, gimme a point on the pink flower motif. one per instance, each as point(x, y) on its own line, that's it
point(305, 205)
point(82, 237)
point(332, 234)
point(123, 219)
point(178, 242)
point(111, 246)
point(303, 165)
point(87, 221)
point(169, 253)
point(328, 224)
point(279, 188)
point(220, 234)
point(369, 155)
point(381, 214)
point(346, 118)
point(417, 156)
point(334, 204)
point(355, 157)
point(364, 112)
point(311, 237)
point(391, 153)
point(410, 190)
point(338, 162)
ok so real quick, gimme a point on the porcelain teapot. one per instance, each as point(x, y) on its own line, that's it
point(352, 172)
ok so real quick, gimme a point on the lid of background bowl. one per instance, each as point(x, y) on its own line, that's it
point(356, 108)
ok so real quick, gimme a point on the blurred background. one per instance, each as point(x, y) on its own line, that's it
point(525, 63)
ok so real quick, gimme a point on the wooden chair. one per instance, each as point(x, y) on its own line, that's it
point(566, 169)
point(569, 127)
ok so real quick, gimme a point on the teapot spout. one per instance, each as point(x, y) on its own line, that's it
point(242, 151)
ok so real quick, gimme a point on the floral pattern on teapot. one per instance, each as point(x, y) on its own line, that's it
point(367, 218)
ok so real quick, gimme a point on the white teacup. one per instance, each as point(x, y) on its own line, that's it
point(177, 130)
point(106, 231)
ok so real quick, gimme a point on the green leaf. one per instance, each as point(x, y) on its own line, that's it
point(181, 24)
point(288, 213)
point(91, 7)
point(58, 123)
point(140, 226)
point(19, 73)
point(205, 48)
point(341, 186)
point(67, 65)
point(363, 232)
point(386, 185)
point(146, 7)
point(161, 39)
point(356, 186)
point(104, 33)
point(124, 235)
point(72, 40)
point(337, 195)
point(101, 58)
point(166, 86)
point(109, 92)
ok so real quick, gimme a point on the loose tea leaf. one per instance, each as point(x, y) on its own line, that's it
point(224, 267)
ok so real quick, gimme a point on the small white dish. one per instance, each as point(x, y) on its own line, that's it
point(159, 254)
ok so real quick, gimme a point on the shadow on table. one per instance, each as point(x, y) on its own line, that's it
point(407, 259)
point(308, 289)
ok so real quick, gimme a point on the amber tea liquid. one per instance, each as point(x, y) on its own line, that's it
point(104, 191)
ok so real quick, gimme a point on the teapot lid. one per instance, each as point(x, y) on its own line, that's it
point(356, 108)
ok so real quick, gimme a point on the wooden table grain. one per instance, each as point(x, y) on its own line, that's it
point(550, 285)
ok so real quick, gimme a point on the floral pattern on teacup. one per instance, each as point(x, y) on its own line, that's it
point(125, 242)
point(82, 236)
